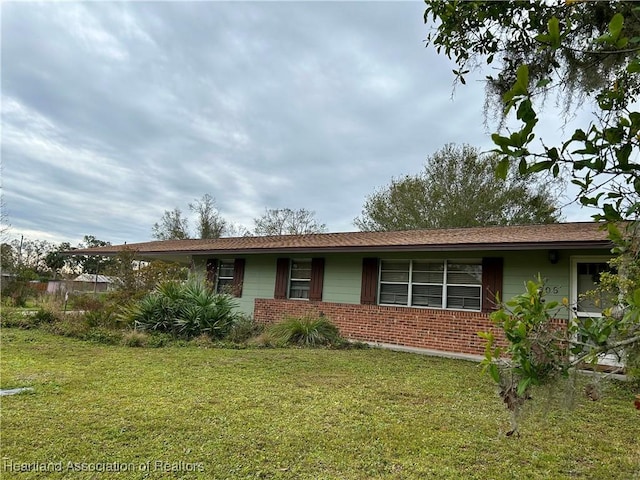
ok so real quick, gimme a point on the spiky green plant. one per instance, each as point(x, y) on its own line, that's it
point(184, 309)
point(305, 331)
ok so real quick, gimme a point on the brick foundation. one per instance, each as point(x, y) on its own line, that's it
point(444, 330)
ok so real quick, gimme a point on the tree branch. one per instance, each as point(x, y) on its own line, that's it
point(605, 348)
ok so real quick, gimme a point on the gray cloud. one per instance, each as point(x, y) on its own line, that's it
point(115, 112)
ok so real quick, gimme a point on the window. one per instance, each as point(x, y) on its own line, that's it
point(434, 284)
point(464, 284)
point(300, 279)
point(394, 283)
point(588, 279)
point(225, 276)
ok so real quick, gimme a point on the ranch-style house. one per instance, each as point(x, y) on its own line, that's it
point(426, 289)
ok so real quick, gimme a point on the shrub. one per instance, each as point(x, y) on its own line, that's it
point(106, 317)
point(88, 302)
point(135, 338)
point(633, 364)
point(103, 335)
point(159, 340)
point(265, 339)
point(243, 328)
point(16, 319)
point(51, 302)
point(44, 316)
point(71, 325)
point(19, 292)
point(183, 309)
point(203, 341)
point(306, 331)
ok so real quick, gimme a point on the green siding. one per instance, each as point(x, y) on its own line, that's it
point(342, 278)
point(259, 277)
point(520, 267)
point(343, 272)
point(259, 280)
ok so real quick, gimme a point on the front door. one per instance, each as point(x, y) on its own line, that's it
point(585, 277)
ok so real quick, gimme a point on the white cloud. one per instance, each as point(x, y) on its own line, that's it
point(90, 33)
point(115, 112)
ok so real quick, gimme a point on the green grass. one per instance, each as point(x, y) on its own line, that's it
point(291, 413)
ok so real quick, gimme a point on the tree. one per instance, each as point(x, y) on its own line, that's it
point(172, 226)
point(589, 51)
point(210, 223)
point(285, 221)
point(236, 230)
point(7, 257)
point(55, 260)
point(458, 188)
point(4, 217)
point(584, 52)
point(29, 256)
point(94, 264)
point(137, 278)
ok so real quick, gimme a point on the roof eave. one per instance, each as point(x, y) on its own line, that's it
point(580, 245)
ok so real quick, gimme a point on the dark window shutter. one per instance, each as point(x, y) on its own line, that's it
point(491, 282)
point(317, 279)
point(238, 276)
point(282, 278)
point(369, 291)
point(212, 271)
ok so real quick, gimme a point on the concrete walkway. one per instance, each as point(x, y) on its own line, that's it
point(15, 391)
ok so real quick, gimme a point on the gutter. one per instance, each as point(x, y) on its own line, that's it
point(366, 248)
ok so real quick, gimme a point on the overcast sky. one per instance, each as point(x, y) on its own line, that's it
point(113, 113)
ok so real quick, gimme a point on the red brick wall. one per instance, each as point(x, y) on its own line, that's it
point(444, 330)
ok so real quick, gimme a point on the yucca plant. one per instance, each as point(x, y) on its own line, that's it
point(184, 309)
point(152, 312)
point(305, 331)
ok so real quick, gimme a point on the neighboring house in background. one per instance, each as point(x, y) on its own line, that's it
point(89, 282)
point(430, 289)
point(6, 278)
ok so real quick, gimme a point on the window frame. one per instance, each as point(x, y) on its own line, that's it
point(291, 279)
point(445, 285)
point(230, 264)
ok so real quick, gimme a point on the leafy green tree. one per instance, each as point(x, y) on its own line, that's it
point(7, 257)
point(458, 188)
point(285, 221)
point(91, 263)
point(536, 349)
point(137, 278)
point(172, 226)
point(29, 257)
point(210, 223)
point(585, 53)
point(55, 260)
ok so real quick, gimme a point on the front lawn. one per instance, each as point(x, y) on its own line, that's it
point(188, 412)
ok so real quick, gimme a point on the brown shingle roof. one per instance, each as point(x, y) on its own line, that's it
point(558, 235)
